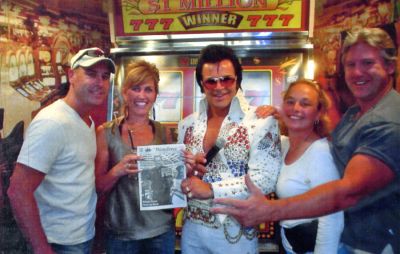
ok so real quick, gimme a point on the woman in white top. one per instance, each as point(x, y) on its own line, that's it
point(307, 162)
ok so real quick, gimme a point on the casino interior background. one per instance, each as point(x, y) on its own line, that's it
point(37, 39)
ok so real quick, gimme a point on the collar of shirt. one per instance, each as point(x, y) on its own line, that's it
point(238, 108)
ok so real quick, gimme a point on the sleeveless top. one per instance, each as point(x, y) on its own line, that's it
point(123, 217)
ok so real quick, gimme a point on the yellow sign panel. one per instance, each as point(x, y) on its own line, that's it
point(145, 17)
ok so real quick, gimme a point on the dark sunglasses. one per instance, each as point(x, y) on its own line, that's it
point(225, 81)
point(91, 53)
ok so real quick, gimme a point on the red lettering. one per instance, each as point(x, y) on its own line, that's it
point(286, 18)
point(136, 23)
point(151, 23)
point(166, 23)
point(207, 4)
point(154, 6)
point(253, 20)
point(260, 3)
point(166, 5)
point(187, 4)
point(270, 19)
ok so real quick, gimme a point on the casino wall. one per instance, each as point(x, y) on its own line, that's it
point(38, 38)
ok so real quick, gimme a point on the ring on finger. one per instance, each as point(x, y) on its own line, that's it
point(189, 194)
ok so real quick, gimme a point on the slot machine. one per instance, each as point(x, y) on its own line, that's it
point(272, 38)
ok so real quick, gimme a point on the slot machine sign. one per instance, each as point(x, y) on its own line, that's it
point(150, 17)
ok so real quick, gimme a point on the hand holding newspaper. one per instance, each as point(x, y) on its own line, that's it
point(162, 171)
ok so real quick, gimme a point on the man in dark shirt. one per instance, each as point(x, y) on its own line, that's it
point(365, 147)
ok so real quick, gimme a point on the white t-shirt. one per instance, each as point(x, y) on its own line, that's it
point(61, 145)
point(313, 168)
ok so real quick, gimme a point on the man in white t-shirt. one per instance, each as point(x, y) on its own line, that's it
point(52, 189)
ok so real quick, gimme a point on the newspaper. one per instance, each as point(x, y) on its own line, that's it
point(162, 171)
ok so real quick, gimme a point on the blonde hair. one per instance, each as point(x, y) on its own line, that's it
point(375, 37)
point(322, 127)
point(138, 72)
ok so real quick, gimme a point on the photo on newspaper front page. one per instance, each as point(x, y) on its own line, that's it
point(162, 171)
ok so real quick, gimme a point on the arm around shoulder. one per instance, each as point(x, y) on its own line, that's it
point(265, 159)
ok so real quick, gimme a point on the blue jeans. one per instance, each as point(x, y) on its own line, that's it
point(81, 248)
point(341, 250)
point(199, 239)
point(349, 250)
point(161, 244)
